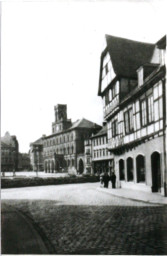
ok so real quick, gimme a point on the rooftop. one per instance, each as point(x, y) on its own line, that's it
point(84, 123)
point(128, 55)
point(102, 132)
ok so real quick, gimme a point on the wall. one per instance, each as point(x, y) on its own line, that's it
point(145, 149)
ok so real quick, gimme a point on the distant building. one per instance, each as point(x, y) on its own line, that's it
point(102, 159)
point(64, 148)
point(132, 85)
point(36, 155)
point(9, 153)
point(88, 156)
point(24, 162)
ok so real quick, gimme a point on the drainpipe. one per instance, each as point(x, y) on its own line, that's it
point(165, 136)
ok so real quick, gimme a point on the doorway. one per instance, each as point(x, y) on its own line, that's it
point(140, 166)
point(156, 172)
point(81, 166)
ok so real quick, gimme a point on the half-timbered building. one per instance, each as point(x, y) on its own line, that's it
point(132, 85)
point(102, 158)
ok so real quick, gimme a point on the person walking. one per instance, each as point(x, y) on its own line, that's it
point(113, 179)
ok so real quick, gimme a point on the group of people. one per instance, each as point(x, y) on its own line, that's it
point(105, 178)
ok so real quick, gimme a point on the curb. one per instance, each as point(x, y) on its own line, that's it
point(129, 198)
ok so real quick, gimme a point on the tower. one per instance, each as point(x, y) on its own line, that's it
point(60, 112)
point(61, 122)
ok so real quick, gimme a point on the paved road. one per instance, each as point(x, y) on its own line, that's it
point(18, 234)
point(78, 219)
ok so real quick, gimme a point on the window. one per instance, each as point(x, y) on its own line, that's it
point(150, 109)
point(113, 91)
point(87, 151)
point(110, 95)
point(143, 113)
point(128, 119)
point(114, 128)
point(107, 97)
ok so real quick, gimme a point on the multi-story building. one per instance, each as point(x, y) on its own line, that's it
point(132, 85)
point(102, 159)
point(64, 148)
point(9, 153)
point(36, 155)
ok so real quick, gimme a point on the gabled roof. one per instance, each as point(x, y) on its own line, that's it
point(81, 123)
point(102, 132)
point(162, 43)
point(84, 123)
point(7, 139)
point(38, 142)
point(128, 55)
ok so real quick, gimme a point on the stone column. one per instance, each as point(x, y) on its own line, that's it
point(125, 168)
point(134, 170)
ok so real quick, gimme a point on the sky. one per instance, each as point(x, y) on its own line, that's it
point(50, 54)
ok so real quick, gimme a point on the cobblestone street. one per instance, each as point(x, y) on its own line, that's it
point(78, 219)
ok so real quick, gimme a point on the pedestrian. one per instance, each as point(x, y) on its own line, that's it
point(101, 179)
point(113, 179)
point(106, 179)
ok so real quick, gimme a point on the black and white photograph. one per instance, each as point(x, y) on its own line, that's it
point(83, 127)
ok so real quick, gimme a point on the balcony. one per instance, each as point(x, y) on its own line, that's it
point(114, 143)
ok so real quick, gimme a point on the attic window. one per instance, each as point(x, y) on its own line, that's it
point(140, 74)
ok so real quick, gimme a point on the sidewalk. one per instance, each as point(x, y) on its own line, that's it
point(18, 234)
point(137, 195)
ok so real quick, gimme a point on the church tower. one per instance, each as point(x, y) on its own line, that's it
point(61, 122)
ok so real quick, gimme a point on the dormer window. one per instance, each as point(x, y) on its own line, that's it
point(140, 74)
point(162, 56)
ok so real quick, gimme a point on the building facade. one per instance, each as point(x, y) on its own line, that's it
point(88, 156)
point(36, 155)
point(9, 153)
point(132, 85)
point(64, 148)
point(102, 158)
